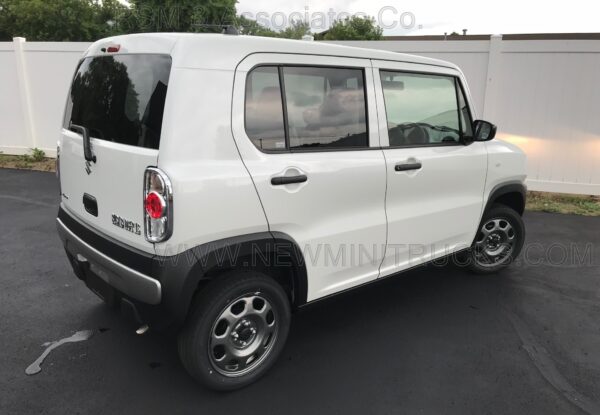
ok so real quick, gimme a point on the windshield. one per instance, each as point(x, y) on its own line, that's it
point(120, 98)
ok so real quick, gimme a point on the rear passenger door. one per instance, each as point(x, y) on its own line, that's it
point(306, 128)
point(435, 179)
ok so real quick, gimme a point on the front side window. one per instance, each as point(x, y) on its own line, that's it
point(120, 98)
point(422, 109)
point(320, 107)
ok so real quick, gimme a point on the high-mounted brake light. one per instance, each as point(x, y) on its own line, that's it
point(113, 48)
point(158, 205)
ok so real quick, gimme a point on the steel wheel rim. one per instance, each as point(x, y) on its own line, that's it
point(243, 335)
point(494, 243)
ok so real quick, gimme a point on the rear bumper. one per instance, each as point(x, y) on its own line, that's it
point(158, 290)
point(150, 288)
point(126, 280)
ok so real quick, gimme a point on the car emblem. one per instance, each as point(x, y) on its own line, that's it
point(128, 225)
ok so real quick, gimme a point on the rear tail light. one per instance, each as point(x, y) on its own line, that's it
point(158, 205)
point(155, 205)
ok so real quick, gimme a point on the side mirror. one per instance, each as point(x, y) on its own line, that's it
point(483, 130)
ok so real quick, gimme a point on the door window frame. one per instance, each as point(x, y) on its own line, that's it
point(461, 89)
point(248, 151)
point(287, 149)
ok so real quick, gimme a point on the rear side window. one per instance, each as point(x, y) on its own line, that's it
point(324, 108)
point(423, 109)
point(120, 98)
point(264, 110)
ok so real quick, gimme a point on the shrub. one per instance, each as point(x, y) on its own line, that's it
point(37, 154)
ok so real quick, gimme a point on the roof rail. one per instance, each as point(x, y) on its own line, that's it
point(230, 30)
point(226, 29)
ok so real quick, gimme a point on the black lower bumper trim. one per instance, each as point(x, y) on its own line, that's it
point(140, 261)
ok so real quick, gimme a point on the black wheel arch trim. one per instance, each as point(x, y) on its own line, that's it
point(515, 187)
point(180, 275)
point(201, 262)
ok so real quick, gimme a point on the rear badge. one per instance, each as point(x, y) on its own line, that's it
point(128, 225)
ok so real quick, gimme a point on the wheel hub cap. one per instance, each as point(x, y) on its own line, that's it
point(494, 243)
point(242, 335)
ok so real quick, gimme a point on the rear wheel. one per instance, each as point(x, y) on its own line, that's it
point(236, 331)
point(498, 242)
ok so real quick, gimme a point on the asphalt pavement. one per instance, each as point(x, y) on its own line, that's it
point(436, 340)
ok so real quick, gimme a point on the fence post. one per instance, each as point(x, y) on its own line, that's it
point(24, 92)
point(492, 80)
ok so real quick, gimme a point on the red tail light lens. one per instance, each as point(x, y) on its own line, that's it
point(113, 48)
point(155, 205)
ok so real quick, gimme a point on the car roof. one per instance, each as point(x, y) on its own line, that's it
point(220, 51)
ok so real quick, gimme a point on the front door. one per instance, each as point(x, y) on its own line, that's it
point(435, 181)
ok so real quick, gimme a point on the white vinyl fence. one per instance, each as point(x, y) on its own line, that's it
point(544, 95)
point(34, 81)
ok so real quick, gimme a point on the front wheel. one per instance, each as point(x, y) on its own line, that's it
point(498, 242)
point(236, 330)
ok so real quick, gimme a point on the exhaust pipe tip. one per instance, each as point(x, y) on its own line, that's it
point(143, 329)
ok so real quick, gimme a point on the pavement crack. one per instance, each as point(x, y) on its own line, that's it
point(545, 365)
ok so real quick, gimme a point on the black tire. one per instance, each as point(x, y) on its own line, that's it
point(215, 307)
point(506, 222)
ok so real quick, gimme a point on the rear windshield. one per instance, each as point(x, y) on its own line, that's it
point(120, 98)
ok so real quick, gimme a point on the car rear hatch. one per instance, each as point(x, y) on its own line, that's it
point(112, 132)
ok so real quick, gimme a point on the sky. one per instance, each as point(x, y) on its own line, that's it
point(425, 17)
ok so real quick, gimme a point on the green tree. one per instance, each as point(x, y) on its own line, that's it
point(179, 15)
point(110, 13)
point(253, 28)
point(296, 30)
point(89, 20)
point(354, 28)
point(4, 33)
point(58, 20)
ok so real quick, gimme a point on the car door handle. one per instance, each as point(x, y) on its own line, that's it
point(408, 166)
point(281, 180)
